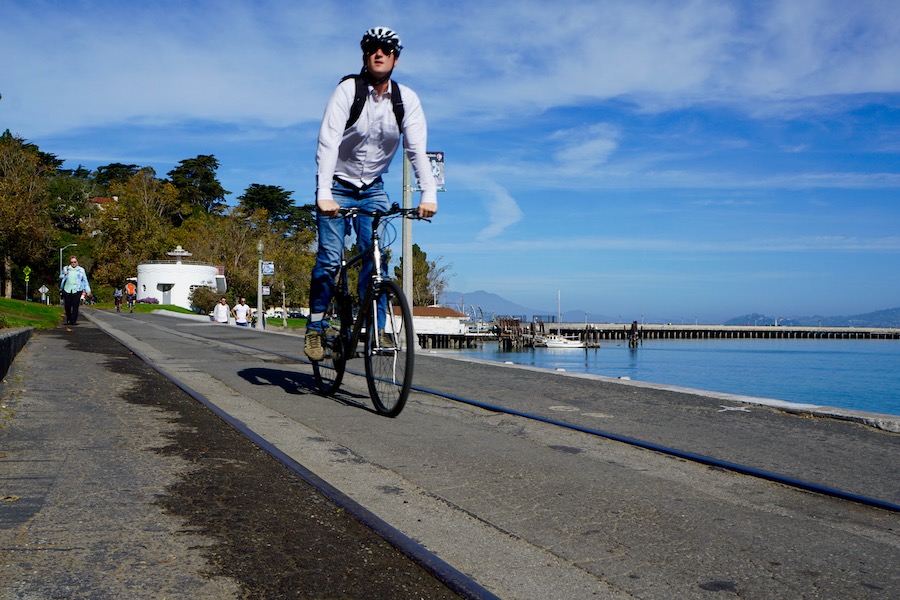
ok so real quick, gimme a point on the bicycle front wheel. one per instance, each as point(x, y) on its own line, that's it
point(329, 371)
point(389, 351)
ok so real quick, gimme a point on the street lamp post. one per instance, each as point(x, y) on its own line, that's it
point(60, 266)
point(259, 298)
point(60, 255)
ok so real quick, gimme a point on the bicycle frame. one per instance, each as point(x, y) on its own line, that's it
point(389, 351)
point(366, 304)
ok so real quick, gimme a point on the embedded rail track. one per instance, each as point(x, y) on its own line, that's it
point(678, 453)
point(283, 352)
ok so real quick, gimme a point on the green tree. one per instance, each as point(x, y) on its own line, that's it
point(228, 241)
point(430, 278)
point(196, 182)
point(25, 229)
point(272, 198)
point(69, 200)
point(118, 172)
point(136, 227)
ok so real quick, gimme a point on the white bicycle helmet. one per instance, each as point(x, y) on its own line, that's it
point(385, 37)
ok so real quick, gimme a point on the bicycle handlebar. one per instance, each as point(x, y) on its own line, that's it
point(394, 210)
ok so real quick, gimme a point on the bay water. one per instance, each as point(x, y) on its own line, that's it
point(859, 375)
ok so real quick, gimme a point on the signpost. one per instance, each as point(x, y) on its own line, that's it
point(437, 170)
point(43, 290)
point(27, 272)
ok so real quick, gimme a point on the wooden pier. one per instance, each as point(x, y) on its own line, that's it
point(513, 334)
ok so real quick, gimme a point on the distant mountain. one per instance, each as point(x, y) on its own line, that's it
point(490, 305)
point(880, 318)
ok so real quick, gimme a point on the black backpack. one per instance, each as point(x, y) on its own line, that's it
point(359, 100)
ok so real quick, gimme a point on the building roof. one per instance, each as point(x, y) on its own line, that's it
point(437, 312)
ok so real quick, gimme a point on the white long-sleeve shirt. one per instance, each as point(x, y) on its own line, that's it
point(363, 153)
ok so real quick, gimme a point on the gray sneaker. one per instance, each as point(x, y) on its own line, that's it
point(313, 346)
point(386, 340)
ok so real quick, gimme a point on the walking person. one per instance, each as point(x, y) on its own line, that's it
point(73, 283)
point(359, 136)
point(241, 313)
point(221, 312)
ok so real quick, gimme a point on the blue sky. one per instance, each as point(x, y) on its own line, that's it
point(672, 160)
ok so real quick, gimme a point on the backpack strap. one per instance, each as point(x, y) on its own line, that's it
point(359, 101)
point(397, 101)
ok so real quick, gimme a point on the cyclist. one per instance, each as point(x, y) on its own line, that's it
point(351, 160)
point(130, 295)
point(117, 297)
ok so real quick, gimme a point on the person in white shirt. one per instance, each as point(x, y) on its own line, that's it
point(241, 313)
point(352, 155)
point(221, 312)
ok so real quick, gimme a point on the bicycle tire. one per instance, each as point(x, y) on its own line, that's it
point(329, 372)
point(389, 369)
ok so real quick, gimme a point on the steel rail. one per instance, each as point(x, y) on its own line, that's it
point(690, 456)
point(443, 571)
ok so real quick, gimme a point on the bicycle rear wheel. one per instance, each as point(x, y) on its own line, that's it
point(329, 371)
point(389, 352)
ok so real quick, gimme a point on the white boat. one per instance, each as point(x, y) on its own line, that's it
point(557, 341)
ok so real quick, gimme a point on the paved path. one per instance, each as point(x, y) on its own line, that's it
point(530, 510)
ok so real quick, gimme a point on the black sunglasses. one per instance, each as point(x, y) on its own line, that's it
point(373, 47)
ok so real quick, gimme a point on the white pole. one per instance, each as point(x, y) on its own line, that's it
point(407, 255)
point(259, 298)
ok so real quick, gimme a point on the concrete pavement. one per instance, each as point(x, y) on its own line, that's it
point(533, 511)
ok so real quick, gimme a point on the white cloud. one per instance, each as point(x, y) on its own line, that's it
point(503, 211)
point(109, 62)
point(586, 148)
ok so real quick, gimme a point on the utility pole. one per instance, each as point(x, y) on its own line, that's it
point(406, 255)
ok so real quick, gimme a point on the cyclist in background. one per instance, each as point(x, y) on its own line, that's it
point(131, 295)
point(117, 297)
point(351, 160)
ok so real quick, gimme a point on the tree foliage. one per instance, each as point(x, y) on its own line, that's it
point(196, 182)
point(134, 228)
point(204, 298)
point(430, 278)
point(272, 198)
point(69, 200)
point(44, 208)
point(108, 174)
point(25, 228)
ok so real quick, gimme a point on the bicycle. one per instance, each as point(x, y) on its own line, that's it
point(388, 343)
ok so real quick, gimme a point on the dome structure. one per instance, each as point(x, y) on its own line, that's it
point(172, 281)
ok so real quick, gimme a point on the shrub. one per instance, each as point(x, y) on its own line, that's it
point(203, 298)
point(148, 301)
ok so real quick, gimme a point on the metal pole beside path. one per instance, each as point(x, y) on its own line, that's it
point(407, 256)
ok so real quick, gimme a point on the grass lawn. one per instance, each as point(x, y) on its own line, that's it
point(18, 313)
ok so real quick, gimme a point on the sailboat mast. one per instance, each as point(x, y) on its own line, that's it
point(559, 312)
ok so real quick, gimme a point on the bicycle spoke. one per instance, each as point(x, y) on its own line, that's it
point(389, 352)
point(329, 371)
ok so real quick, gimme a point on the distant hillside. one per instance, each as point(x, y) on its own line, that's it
point(889, 317)
point(491, 306)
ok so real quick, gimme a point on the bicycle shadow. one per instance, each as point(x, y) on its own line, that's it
point(298, 384)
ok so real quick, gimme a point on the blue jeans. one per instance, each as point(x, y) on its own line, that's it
point(331, 245)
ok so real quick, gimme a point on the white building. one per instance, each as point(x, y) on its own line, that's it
point(172, 281)
point(438, 320)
